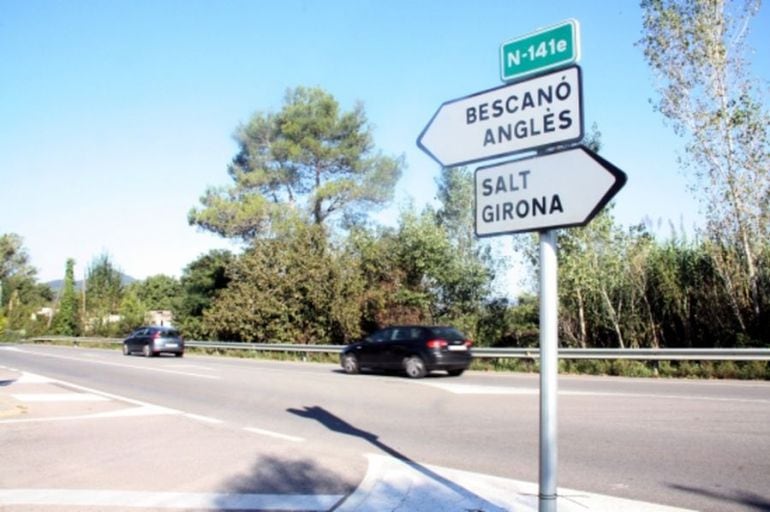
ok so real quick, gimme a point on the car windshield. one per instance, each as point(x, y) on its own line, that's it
point(447, 333)
point(169, 333)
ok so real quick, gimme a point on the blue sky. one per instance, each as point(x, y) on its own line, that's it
point(115, 116)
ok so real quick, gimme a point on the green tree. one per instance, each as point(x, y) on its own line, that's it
point(132, 311)
point(687, 301)
point(203, 278)
point(66, 321)
point(696, 49)
point(593, 280)
point(292, 289)
point(201, 281)
point(505, 324)
point(456, 195)
point(14, 260)
point(159, 292)
point(417, 273)
point(467, 283)
point(20, 294)
point(104, 291)
point(387, 296)
point(309, 160)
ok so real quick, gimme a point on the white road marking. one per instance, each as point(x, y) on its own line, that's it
point(195, 367)
point(59, 397)
point(661, 396)
point(140, 409)
point(391, 484)
point(88, 394)
point(121, 365)
point(270, 433)
point(473, 389)
point(85, 389)
point(169, 500)
point(32, 378)
point(204, 419)
point(132, 412)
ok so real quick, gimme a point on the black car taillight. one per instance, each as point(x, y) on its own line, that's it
point(437, 344)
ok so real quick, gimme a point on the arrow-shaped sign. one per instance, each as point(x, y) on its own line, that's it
point(540, 112)
point(557, 190)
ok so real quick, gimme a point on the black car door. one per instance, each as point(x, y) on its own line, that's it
point(372, 352)
point(403, 344)
point(136, 341)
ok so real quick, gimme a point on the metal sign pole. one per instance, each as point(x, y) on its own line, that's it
point(549, 369)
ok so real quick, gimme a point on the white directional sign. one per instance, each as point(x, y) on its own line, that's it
point(540, 112)
point(557, 190)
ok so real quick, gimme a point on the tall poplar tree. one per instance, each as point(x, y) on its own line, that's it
point(104, 291)
point(66, 321)
point(697, 51)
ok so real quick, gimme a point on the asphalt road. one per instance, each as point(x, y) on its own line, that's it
point(258, 427)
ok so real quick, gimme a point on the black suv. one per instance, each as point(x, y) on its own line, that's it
point(415, 349)
point(154, 340)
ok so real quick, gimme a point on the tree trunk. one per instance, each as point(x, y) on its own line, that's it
point(581, 320)
point(613, 318)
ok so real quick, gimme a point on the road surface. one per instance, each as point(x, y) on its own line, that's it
point(86, 428)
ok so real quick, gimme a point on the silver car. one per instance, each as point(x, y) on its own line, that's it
point(154, 340)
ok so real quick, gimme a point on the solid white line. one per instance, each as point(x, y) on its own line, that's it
point(270, 433)
point(169, 500)
point(120, 365)
point(661, 396)
point(471, 389)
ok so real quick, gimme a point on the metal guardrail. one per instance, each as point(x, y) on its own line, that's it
point(639, 354)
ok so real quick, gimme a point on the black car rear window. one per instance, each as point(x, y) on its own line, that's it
point(169, 333)
point(447, 333)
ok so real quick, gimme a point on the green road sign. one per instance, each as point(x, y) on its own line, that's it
point(545, 49)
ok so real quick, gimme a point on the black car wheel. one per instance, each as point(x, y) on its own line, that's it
point(147, 351)
point(415, 367)
point(126, 352)
point(350, 363)
point(455, 373)
point(179, 354)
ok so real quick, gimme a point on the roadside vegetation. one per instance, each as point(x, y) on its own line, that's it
point(315, 268)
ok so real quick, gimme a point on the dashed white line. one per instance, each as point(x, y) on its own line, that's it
point(204, 419)
point(277, 435)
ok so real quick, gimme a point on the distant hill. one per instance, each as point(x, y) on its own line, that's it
point(57, 284)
